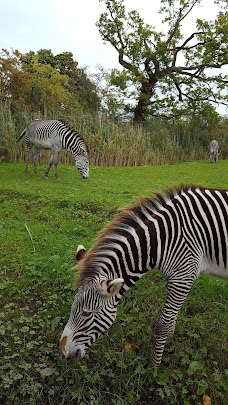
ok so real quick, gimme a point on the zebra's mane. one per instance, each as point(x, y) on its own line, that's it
point(87, 267)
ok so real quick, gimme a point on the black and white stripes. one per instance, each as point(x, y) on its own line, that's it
point(55, 135)
point(183, 233)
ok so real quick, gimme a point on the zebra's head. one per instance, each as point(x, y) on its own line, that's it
point(93, 312)
point(82, 163)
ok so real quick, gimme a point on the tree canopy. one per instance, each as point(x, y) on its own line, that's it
point(167, 73)
point(42, 81)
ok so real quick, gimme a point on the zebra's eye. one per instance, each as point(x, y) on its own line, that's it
point(86, 314)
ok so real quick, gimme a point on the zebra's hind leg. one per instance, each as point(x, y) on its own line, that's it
point(165, 324)
point(27, 155)
point(36, 158)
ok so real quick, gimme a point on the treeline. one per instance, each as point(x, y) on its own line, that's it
point(43, 85)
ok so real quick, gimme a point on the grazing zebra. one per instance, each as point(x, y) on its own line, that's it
point(183, 233)
point(55, 135)
point(213, 151)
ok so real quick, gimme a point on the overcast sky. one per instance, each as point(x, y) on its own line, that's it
point(69, 26)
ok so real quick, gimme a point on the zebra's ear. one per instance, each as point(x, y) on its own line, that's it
point(80, 253)
point(109, 288)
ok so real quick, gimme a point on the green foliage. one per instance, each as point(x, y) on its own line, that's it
point(43, 82)
point(77, 83)
point(41, 224)
point(48, 88)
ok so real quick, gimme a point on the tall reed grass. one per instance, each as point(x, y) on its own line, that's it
point(119, 143)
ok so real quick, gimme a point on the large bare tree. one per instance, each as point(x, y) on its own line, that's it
point(163, 73)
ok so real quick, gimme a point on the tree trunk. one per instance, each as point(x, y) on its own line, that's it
point(144, 100)
point(140, 111)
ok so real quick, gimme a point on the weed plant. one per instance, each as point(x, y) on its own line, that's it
point(41, 223)
point(119, 143)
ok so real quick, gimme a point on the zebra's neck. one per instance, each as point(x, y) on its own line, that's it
point(68, 141)
point(127, 254)
point(75, 144)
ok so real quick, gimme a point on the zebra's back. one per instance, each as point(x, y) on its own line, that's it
point(204, 215)
point(43, 133)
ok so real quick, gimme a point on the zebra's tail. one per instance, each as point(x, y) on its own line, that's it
point(23, 134)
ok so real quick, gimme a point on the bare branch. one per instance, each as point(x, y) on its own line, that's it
point(117, 29)
point(179, 90)
point(126, 64)
point(179, 48)
point(179, 19)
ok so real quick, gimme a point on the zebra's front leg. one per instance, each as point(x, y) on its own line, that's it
point(53, 160)
point(165, 324)
point(48, 168)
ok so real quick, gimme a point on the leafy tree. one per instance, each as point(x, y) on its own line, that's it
point(163, 73)
point(112, 103)
point(48, 90)
point(43, 82)
point(14, 83)
point(37, 88)
point(203, 115)
point(78, 84)
point(63, 62)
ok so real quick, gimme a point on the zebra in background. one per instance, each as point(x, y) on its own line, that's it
point(55, 135)
point(183, 233)
point(213, 151)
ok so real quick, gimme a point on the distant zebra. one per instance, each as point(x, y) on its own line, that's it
point(213, 151)
point(183, 233)
point(55, 135)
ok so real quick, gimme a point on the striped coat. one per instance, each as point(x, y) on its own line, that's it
point(183, 232)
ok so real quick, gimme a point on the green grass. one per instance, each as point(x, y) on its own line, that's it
point(41, 223)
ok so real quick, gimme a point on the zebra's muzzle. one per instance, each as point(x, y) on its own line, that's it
point(68, 350)
point(64, 347)
point(78, 354)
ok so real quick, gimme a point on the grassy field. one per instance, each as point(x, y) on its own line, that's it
point(41, 223)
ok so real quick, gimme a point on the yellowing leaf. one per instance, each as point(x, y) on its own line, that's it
point(128, 347)
point(206, 400)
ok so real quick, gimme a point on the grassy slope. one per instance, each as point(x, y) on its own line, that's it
point(41, 223)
